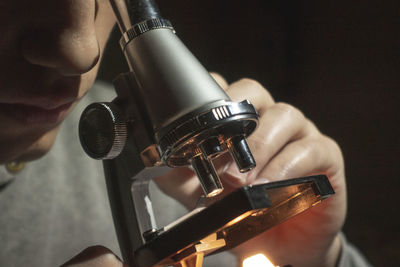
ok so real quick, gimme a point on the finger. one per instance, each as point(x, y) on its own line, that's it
point(220, 80)
point(304, 157)
point(183, 185)
point(96, 256)
point(280, 125)
point(311, 156)
point(262, 100)
point(252, 91)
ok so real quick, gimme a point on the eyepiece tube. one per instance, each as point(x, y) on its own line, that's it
point(141, 10)
point(130, 12)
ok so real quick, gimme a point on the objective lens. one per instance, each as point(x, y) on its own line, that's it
point(207, 175)
point(241, 153)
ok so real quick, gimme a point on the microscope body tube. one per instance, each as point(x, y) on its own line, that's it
point(130, 12)
point(172, 81)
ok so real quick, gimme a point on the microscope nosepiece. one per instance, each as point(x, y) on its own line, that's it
point(211, 147)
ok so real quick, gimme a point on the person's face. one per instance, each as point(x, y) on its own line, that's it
point(49, 56)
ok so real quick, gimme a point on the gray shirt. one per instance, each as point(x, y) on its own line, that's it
point(57, 205)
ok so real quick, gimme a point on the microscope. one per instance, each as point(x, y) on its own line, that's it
point(169, 112)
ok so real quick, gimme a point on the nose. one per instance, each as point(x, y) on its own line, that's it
point(66, 40)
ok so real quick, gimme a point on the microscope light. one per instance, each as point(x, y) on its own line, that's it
point(258, 260)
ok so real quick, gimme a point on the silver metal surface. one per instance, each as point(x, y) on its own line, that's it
point(120, 133)
point(241, 153)
point(207, 175)
point(171, 79)
point(142, 27)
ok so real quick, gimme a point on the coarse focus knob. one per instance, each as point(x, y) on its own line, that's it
point(102, 131)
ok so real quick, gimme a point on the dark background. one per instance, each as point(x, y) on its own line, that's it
point(339, 62)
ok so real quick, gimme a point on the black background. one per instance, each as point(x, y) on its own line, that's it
point(339, 62)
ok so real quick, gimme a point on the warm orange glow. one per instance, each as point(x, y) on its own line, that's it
point(239, 218)
point(258, 260)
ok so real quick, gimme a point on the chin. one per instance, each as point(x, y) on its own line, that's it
point(28, 149)
point(33, 154)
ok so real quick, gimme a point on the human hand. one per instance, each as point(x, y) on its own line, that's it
point(96, 256)
point(285, 145)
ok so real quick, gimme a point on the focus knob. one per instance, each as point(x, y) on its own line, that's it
point(102, 131)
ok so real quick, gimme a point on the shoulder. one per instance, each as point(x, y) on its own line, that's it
point(351, 256)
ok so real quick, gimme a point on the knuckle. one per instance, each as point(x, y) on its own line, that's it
point(258, 89)
point(333, 145)
point(250, 82)
point(310, 128)
point(334, 151)
point(277, 170)
point(289, 110)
